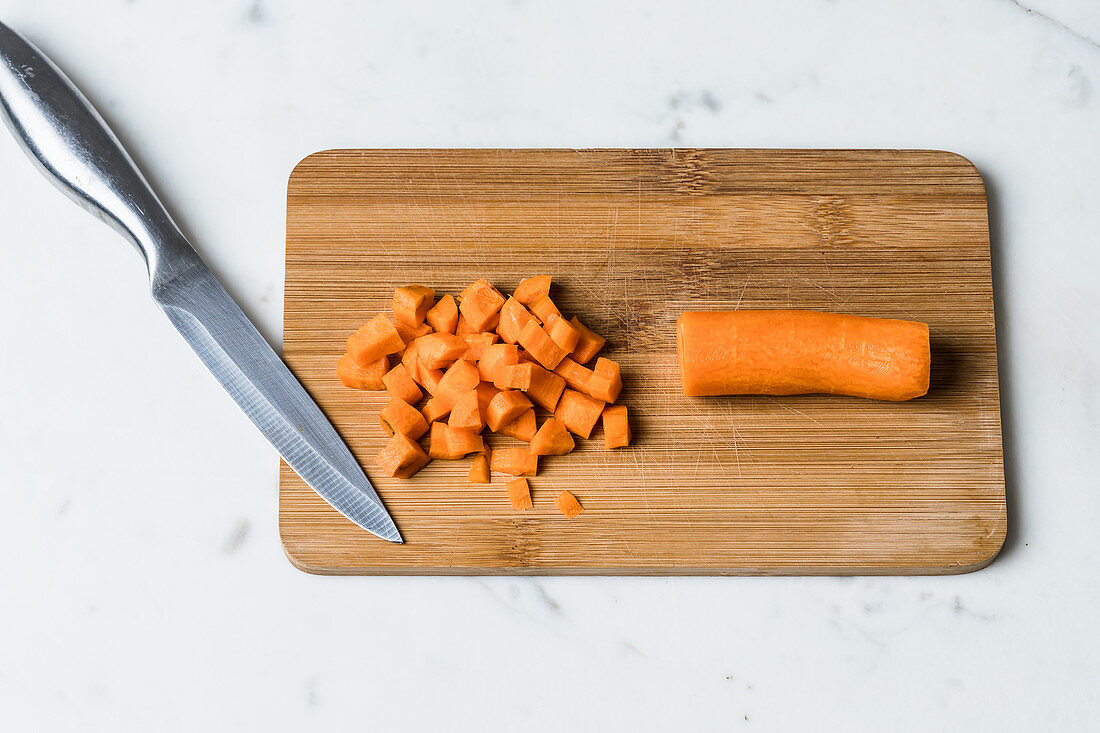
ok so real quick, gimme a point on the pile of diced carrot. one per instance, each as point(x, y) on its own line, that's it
point(485, 361)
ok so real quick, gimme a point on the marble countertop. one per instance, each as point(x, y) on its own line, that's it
point(143, 582)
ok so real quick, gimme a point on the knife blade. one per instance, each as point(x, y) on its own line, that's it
point(73, 147)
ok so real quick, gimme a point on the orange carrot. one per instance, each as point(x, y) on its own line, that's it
point(443, 316)
point(575, 375)
point(464, 326)
point(568, 505)
point(543, 308)
point(552, 439)
point(400, 385)
point(800, 352)
point(479, 469)
point(375, 339)
point(522, 428)
point(605, 383)
point(519, 493)
point(514, 461)
point(513, 317)
point(411, 303)
point(409, 334)
point(440, 350)
point(495, 356)
point(562, 332)
point(538, 344)
point(532, 288)
point(616, 427)
point(480, 302)
point(459, 379)
point(546, 388)
point(429, 379)
point(401, 457)
point(485, 394)
point(453, 443)
point(589, 344)
point(476, 344)
point(399, 416)
point(353, 375)
point(578, 412)
point(435, 409)
point(466, 413)
point(517, 376)
point(504, 408)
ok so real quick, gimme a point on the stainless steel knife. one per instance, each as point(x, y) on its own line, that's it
point(68, 140)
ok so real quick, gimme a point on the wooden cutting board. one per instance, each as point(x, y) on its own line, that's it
point(711, 486)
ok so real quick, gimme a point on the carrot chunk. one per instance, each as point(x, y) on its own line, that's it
point(578, 412)
point(459, 379)
point(517, 376)
point(409, 334)
point(616, 427)
point(568, 505)
point(429, 379)
point(411, 304)
point(546, 388)
point(375, 339)
point(589, 343)
point(494, 357)
point(519, 493)
point(538, 344)
point(399, 416)
point(453, 443)
point(552, 439)
point(513, 317)
point(464, 326)
point(479, 469)
point(575, 375)
point(543, 308)
point(522, 428)
point(562, 332)
point(476, 344)
point(504, 408)
point(480, 303)
point(435, 409)
point(443, 316)
point(440, 350)
point(400, 385)
point(532, 288)
point(514, 461)
point(466, 413)
point(401, 457)
point(357, 376)
point(606, 382)
point(485, 394)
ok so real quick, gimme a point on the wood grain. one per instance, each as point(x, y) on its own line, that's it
point(734, 485)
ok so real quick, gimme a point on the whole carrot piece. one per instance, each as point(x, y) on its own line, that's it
point(783, 352)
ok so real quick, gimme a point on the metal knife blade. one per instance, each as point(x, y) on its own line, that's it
point(61, 132)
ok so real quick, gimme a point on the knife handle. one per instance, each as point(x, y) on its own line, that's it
point(73, 147)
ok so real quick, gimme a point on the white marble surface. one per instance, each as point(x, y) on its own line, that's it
point(142, 585)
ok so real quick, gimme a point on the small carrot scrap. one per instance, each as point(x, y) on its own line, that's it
point(575, 375)
point(589, 344)
point(519, 493)
point(400, 385)
point(578, 412)
point(466, 413)
point(453, 443)
point(546, 388)
point(480, 303)
point(411, 304)
point(477, 342)
point(513, 317)
point(606, 382)
point(552, 439)
point(568, 505)
point(506, 407)
point(440, 350)
point(399, 416)
point(532, 288)
point(517, 376)
point(479, 469)
point(562, 332)
point(353, 374)
point(616, 427)
point(375, 339)
point(522, 428)
point(543, 308)
point(494, 357)
point(514, 461)
point(538, 344)
point(401, 457)
point(443, 316)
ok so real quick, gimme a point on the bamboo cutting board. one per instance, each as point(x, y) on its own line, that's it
point(711, 486)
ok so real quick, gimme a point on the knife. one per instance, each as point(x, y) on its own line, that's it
point(73, 147)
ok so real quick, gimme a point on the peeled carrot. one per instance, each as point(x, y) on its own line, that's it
point(477, 342)
point(479, 469)
point(517, 376)
point(443, 316)
point(373, 340)
point(485, 394)
point(513, 317)
point(460, 378)
point(434, 410)
point(357, 376)
point(411, 304)
point(800, 352)
point(466, 413)
point(504, 408)
point(538, 344)
point(401, 457)
point(616, 427)
point(519, 493)
point(453, 443)
point(568, 505)
point(464, 326)
point(552, 439)
point(532, 288)
point(429, 379)
point(543, 308)
point(546, 388)
point(399, 416)
point(562, 332)
point(575, 375)
point(578, 412)
point(440, 350)
point(589, 343)
point(606, 382)
point(494, 357)
point(400, 385)
point(409, 334)
point(522, 428)
point(480, 303)
point(514, 461)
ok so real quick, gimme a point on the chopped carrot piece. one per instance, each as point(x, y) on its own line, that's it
point(538, 344)
point(562, 332)
point(464, 326)
point(546, 388)
point(522, 428)
point(401, 457)
point(466, 413)
point(606, 382)
point(409, 334)
point(357, 376)
point(485, 394)
point(519, 493)
point(552, 439)
point(543, 308)
point(375, 339)
point(411, 304)
point(517, 376)
point(504, 408)
point(589, 344)
point(491, 325)
point(477, 343)
point(400, 385)
point(440, 350)
point(616, 427)
point(443, 316)
point(494, 357)
point(568, 505)
point(575, 375)
point(399, 416)
point(513, 317)
point(459, 379)
point(452, 443)
point(434, 409)
point(514, 461)
point(479, 469)
point(532, 288)
point(578, 412)
point(429, 379)
point(480, 302)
